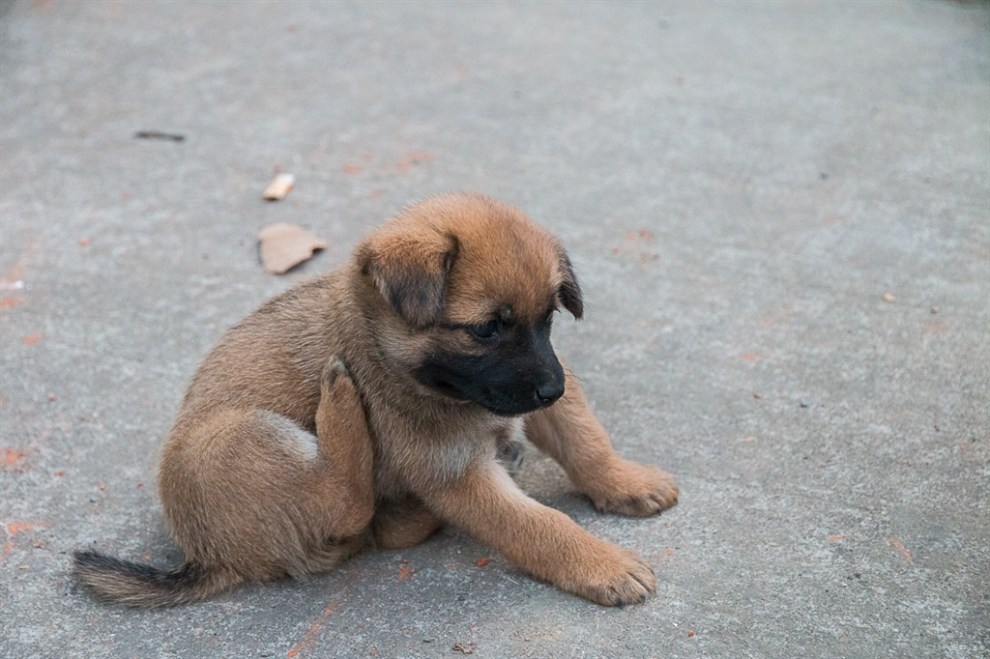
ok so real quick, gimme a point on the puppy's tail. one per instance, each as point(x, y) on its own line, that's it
point(114, 581)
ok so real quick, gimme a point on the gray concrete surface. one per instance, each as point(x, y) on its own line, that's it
point(739, 184)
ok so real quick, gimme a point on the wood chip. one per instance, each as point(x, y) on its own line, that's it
point(279, 187)
point(284, 246)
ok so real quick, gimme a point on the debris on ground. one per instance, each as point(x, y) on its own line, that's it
point(159, 135)
point(14, 285)
point(464, 648)
point(284, 246)
point(279, 187)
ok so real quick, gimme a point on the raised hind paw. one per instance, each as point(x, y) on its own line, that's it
point(334, 372)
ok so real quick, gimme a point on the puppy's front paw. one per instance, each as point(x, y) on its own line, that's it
point(619, 577)
point(634, 489)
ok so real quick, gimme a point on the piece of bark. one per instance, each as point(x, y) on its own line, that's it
point(284, 246)
point(279, 187)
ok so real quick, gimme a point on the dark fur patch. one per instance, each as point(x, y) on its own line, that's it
point(570, 291)
point(506, 379)
point(135, 584)
point(413, 280)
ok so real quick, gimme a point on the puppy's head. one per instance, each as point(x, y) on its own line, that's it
point(470, 287)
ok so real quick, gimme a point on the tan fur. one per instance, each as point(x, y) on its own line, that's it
point(304, 435)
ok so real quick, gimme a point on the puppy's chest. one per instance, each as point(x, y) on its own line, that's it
point(409, 459)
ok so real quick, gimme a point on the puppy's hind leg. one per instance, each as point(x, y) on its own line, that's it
point(339, 495)
point(346, 455)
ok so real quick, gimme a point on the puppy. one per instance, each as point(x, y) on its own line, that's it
point(367, 407)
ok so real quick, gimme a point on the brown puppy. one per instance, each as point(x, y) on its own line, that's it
point(368, 405)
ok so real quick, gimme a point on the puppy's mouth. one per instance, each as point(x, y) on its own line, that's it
point(489, 400)
point(509, 411)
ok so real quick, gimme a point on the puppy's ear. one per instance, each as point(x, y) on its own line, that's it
point(410, 270)
point(569, 292)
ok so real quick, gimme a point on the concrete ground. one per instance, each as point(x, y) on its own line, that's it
point(780, 213)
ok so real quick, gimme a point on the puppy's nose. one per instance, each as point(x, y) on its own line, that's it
point(548, 393)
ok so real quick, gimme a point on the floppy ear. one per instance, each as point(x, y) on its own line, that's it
point(410, 270)
point(569, 291)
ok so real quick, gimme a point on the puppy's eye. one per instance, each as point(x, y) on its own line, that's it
point(485, 332)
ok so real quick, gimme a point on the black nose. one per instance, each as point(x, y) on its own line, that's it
point(548, 393)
